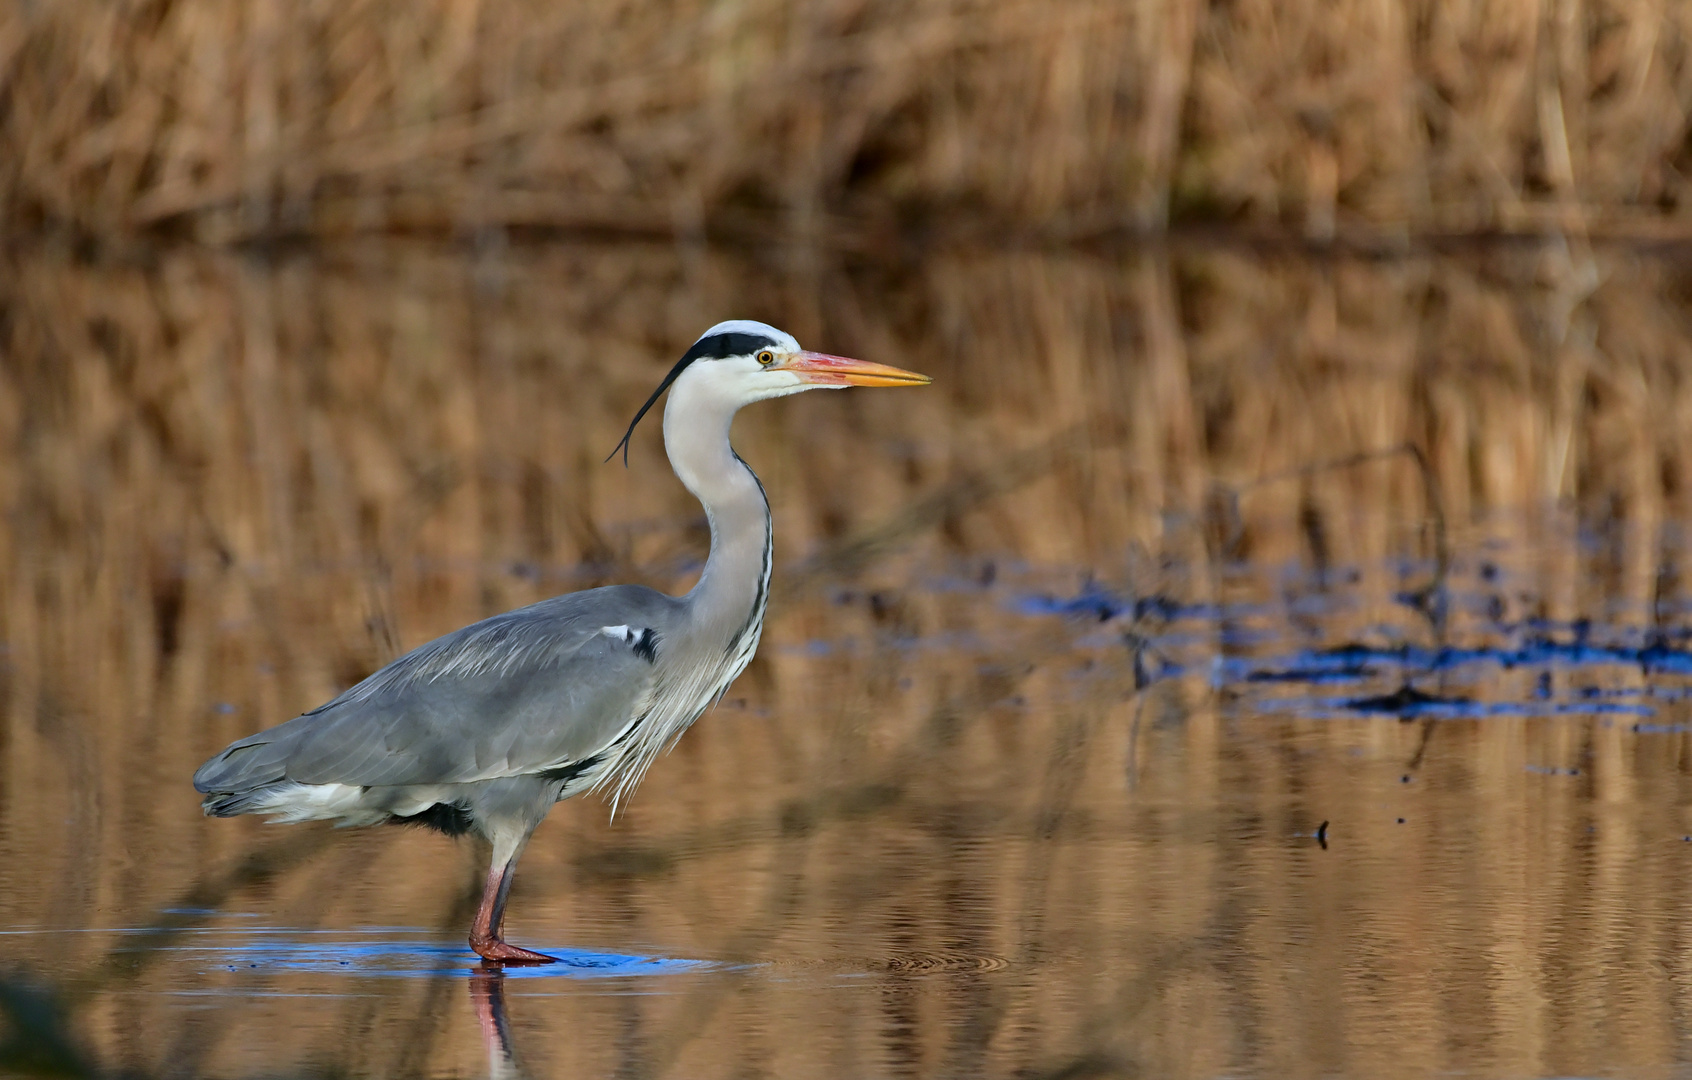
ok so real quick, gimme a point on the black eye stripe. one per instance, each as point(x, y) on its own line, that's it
point(722, 346)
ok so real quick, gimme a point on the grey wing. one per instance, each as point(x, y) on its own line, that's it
point(533, 689)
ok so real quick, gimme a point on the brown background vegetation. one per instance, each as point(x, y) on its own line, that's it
point(845, 117)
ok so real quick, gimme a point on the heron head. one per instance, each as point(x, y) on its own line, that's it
point(740, 361)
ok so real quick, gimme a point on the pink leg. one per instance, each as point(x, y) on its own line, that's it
point(486, 931)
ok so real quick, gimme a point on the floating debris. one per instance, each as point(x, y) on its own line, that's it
point(1406, 702)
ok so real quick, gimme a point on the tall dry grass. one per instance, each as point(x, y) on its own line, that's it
point(266, 118)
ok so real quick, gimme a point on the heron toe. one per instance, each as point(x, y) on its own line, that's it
point(503, 952)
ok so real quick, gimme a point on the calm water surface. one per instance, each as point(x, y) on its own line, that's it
point(1131, 703)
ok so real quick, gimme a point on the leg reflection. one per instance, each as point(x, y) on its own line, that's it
point(487, 994)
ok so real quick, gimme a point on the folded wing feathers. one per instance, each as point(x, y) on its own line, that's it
point(509, 695)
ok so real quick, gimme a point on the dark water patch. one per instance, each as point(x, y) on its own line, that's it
point(1324, 665)
point(1647, 653)
point(1102, 604)
point(1431, 707)
point(1277, 628)
point(1407, 701)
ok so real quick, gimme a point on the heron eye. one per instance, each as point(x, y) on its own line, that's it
point(766, 358)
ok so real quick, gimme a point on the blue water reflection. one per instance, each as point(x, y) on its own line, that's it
point(397, 952)
point(1307, 654)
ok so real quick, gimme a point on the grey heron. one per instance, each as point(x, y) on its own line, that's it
point(483, 730)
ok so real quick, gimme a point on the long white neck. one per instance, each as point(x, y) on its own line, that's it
point(728, 600)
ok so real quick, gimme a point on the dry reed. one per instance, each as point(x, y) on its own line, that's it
point(844, 116)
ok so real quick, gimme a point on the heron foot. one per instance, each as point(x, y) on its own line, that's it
point(501, 952)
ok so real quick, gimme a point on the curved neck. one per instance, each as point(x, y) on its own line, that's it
point(731, 592)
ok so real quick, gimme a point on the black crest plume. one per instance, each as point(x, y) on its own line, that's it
point(712, 347)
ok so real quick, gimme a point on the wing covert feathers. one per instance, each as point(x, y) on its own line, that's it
point(521, 692)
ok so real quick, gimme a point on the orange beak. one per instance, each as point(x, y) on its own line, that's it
point(821, 369)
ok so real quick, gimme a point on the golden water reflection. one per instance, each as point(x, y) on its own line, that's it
point(939, 828)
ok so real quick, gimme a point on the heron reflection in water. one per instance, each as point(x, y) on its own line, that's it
point(483, 730)
point(487, 997)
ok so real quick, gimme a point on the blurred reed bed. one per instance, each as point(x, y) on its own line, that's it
point(860, 119)
point(233, 486)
